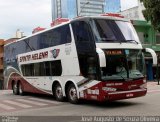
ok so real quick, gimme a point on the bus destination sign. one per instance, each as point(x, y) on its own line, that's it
point(113, 52)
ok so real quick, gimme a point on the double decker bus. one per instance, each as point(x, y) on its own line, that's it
point(94, 58)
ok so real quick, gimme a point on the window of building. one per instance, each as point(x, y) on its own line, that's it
point(158, 38)
point(50, 68)
point(143, 37)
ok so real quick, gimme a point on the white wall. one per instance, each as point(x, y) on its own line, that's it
point(134, 13)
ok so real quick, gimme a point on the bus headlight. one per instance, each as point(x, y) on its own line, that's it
point(109, 89)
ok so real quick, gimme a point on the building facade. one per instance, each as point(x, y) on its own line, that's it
point(64, 9)
point(73, 8)
point(1, 62)
point(149, 38)
point(90, 7)
point(134, 13)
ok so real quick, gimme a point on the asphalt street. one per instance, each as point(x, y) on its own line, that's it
point(46, 108)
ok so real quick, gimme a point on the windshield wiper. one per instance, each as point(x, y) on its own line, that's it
point(120, 41)
point(132, 41)
point(106, 39)
point(129, 41)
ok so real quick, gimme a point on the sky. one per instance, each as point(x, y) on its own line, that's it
point(29, 14)
point(24, 15)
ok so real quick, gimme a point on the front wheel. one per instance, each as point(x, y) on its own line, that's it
point(15, 88)
point(72, 94)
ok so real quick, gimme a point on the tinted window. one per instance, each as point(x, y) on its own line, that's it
point(81, 31)
point(31, 43)
point(56, 68)
point(50, 68)
point(114, 31)
point(34, 42)
point(57, 36)
point(28, 70)
point(39, 69)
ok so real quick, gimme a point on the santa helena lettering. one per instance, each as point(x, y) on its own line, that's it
point(35, 56)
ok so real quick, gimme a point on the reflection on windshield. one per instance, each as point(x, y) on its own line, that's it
point(115, 31)
point(129, 64)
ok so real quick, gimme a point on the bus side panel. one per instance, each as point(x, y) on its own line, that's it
point(26, 86)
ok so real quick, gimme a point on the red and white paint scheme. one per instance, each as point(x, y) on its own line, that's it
point(93, 58)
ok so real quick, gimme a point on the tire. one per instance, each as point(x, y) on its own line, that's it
point(15, 89)
point(20, 89)
point(58, 93)
point(72, 94)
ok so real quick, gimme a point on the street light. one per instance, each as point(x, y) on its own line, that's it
point(83, 7)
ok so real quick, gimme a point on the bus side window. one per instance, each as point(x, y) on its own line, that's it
point(56, 68)
point(50, 68)
point(81, 30)
point(57, 36)
point(65, 34)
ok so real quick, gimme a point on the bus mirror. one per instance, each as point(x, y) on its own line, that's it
point(102, 58)
point(153, 53)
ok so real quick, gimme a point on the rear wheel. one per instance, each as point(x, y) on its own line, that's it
point(58, 92)
point(20, 89)
point(72, 94)
point(15, 88)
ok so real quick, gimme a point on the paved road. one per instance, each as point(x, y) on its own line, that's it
point(10, 103)
point(38, 105)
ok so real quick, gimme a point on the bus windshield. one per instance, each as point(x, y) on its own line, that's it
point(110, 31)
point(123, 64)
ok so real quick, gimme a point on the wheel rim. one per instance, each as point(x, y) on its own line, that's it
point(15, 88)
point(73, 94)
point(59, 92)
point(20, 89)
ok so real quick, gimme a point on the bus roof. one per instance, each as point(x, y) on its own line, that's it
point(72, 20)
point(100, 17)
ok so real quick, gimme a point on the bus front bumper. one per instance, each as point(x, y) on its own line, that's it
point(125, 94)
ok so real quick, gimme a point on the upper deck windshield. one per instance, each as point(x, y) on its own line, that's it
point(123, 64)
point(113, 31)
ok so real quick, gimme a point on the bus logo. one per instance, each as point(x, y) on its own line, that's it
point(55, 53)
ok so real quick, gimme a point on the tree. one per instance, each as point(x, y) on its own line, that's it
point(152, 12)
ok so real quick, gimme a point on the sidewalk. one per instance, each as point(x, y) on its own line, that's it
point(153, 86)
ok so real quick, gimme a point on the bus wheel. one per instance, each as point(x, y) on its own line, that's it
point(72, 94)
point(15, 88)
point(20, 89)
point(58, 92)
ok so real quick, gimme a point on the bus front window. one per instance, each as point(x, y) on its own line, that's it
point(136, 63)
point(123, 64)
point(110, 31)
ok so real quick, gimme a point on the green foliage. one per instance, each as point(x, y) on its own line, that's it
point(152, 12)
